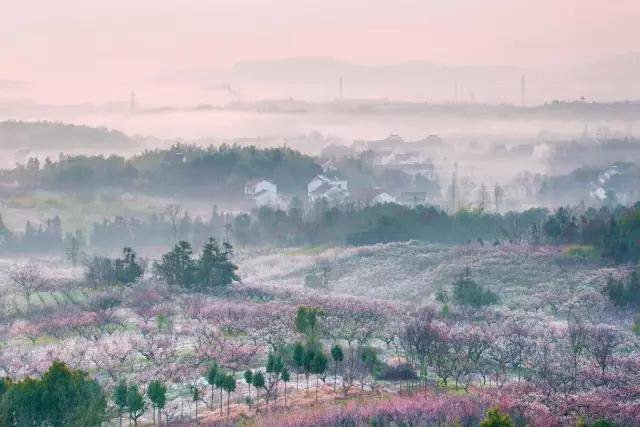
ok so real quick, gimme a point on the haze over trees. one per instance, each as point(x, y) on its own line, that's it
point(310, 242)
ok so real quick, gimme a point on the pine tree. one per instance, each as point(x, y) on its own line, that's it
point(157, 393)
point(214, 267)
point(230, 387)
point(135, 404)
point(285, 379)
point(120, 398)
point(212, 373)
point(338, 356)
point(248, 377)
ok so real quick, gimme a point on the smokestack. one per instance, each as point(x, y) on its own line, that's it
point(522, 90)
point(340, 90)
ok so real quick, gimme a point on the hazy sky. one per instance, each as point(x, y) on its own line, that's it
point(88, 50)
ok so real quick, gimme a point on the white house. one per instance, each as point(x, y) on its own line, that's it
point(262, 192)
point(324, 187)
point(373, 196)
point(324, 179)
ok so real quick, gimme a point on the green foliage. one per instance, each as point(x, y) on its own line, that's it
point(61, 398)
point(369, 357)
point(284, 375)
point(561, 227)
point(582, 251)
point(337, 354)
point(298, 355)
point(258, 380)
point(226, 168)
point(274, 363)
point(495, 418)
point(445, 311)
point(212, 269)
point(135, 403)
point(248, 376)
point(177, 266)
point(103, 271)
point(603, 423)
point(442, 296)
point(635, 328)
point(157, 393)
point(468, 292)
point(318, 363)
point(624, 293)
point(127, 269)
point(212, 373)
point(229, 384)
point(120, 396)
point(307, 321)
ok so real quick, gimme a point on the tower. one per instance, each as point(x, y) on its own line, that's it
point(454, 178)
point(132, 102)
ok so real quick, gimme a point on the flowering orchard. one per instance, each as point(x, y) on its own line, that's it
point(386, 335)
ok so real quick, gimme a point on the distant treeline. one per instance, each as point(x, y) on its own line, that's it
point(30, 135)
point(182, 168)
point(611, 232)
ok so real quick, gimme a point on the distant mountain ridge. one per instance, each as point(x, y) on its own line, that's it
point(612, 78)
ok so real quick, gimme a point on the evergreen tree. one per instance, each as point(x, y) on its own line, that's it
point(318, 366)
point(120, 398)
point(135, 404)
point(248, 378)
point(229, 386)
point(195, 396)
point(212, 373)
point(298, 359)
point(258, 382)
point(219, 381)
point(61, 397)
point(214, 267)
point(127, 269)
point(157, 393)
point(177, 267)
point(285, 379)
point(338, 356)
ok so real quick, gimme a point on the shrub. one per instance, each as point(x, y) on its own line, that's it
point(401, 372)
point(581, 251)
point(495, 418)
point(468, 292)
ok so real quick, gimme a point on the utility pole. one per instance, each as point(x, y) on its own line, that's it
point(454, 178)
point(497, 195)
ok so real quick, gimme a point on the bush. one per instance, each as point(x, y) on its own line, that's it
point(468, 292)
point(623, 293)
point(581, 251)
point(403, 372)
point(495, 418)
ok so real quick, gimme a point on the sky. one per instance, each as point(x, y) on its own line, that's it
point(69, 51)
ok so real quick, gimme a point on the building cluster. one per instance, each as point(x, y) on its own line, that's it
point(391, 153)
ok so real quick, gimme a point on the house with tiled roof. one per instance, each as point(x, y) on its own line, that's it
point(261, 191)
